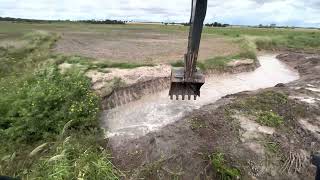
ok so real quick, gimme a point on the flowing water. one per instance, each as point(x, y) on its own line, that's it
point(153, 112)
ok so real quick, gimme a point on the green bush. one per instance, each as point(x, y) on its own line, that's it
point(39, 107)
point(42, 105)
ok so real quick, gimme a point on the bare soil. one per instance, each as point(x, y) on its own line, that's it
point(140, 46)
point(182, 149)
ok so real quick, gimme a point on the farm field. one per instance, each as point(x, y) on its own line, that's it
point(50, 111)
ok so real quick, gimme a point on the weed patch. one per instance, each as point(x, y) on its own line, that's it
point(272, 147)
point(223, 171)
point(265, 107)
point(196, 124)
point(270, 119)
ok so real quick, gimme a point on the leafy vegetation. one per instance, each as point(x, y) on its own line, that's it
point(48, 120)
point(270, 119)
point(223, 171)
point(264, 107)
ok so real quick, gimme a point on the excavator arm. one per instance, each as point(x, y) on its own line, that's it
point(188, 80)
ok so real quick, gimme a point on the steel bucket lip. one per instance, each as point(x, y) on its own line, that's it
point(182, 87)
point(185, 89)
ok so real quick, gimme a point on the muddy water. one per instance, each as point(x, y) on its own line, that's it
point(155, 111)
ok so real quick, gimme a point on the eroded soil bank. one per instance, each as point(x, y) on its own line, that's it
point(118, 87)
point(264, 134)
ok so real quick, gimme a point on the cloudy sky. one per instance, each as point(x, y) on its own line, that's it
point(243, 12)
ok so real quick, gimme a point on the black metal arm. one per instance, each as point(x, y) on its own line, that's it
point(198, 14)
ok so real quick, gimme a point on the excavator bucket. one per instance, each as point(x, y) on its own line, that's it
point(186, 89)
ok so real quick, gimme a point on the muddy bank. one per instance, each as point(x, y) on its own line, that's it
point(264, 134)
point(143, 81)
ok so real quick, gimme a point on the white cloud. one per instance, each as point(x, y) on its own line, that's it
point(283, 12)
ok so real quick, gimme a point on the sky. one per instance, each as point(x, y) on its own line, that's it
point(238, 12)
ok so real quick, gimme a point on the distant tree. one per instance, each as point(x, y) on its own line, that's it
point(186, 24)
point(273, 25)
point(216, 24)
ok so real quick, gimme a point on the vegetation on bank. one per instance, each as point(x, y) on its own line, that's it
point(48, 120)
point(222, 170)
point(220, 63)
point(264, 107)
point(87, 63)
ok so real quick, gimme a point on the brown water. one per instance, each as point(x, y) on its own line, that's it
point(153, 112)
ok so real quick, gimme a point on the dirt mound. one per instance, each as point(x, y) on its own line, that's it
point(265, 134)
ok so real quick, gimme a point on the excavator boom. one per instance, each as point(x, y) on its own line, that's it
point(188, 80)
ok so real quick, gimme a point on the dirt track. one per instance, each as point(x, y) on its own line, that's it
point(182, 149)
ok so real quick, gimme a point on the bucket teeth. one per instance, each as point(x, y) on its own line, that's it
point(180, 86)
point(185, 89)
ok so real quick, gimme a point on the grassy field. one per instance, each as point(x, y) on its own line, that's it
point(154, 44)
point(49, 121)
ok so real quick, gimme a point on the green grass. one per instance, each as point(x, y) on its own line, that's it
point(270, 119)
point(220, 63)
point(48, 121)
point(265, 107)
point(223, 171)
point(272, 147)
point(87, 63)
point(273, 39)
point(18, 61)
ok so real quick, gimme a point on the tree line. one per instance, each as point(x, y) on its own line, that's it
point(93, 21)
point(216, 24)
